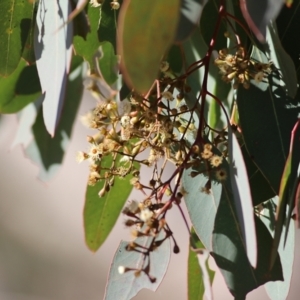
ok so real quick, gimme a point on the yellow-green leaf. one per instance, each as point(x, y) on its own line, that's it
point(16, 17)
point(101, 214)
point(147, 30)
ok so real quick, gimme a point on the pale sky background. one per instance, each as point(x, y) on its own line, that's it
point(43, 255)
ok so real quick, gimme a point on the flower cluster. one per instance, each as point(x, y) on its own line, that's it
point(239, 68)
point(156, 125)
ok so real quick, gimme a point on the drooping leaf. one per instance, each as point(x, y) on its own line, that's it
point(202, 206)
point(175, 59)
point(126, 286)
point(286, 201)
point(142, 47)
point(267, 118)
point(107, 31)
point(108, 63)
point(279, 289)
point(19, 89)
point(258, 15)
point(296, 196)
point(282, 60)
point(196, 288)
point(16, 19)
point(87, 48)
point(53, 51)
point(28, 49)
point(194, 50)
point(242, 197)
point(287, 23)
point(190, 13)
point(229, 250)
point(48, 152)
point(101, 214)
point(260, 187)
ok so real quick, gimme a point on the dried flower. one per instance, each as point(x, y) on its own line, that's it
point(96, 3)
point(164, 66)
point(168, 95)
point(259, 77)
point(221, 175)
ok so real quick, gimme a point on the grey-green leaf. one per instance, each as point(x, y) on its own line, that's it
point(126, 286)
point(278, 290)
point(202, 206)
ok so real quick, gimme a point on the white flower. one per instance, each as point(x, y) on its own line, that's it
point(87, 119)
point(81, 156)
point(95, 3)
point(95, 152)
point(115, 5)
point(125, 159)
point(125, 121)
point(146, 214)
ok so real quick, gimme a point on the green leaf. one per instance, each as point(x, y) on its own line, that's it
point(48, 152)
point(190, 13)
point(28, 49)
point(107, 31)
point(87, 48)
point(15, 26)
point(267, 118)
point(282, 60)
point(101, 214)
point(19, 89)
point(147, 30)
point(279, 289)
point(108, 63)
point(196, 286)
point(230, 253)
point(126, 286)
point(287, 23)
point(260, 187)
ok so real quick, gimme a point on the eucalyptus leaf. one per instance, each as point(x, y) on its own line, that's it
point(126, 286)
point(196, 287)
point(282, 60)
point(48, 152)
point(229, 250)
point(142, 47)
point(87, 48)
point(190, 13)
point(108, 63)
point(202, 206)
point(267, 118)
point(101, 214)
point(15, 28)
point(53, 51)
point(258, 15)
point(278, 290)
point(242, 197)
point(19, 89)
